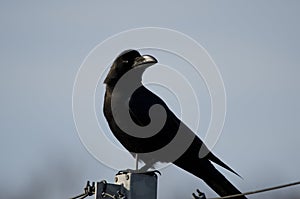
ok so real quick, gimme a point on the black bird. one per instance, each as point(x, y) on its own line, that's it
point(128, 109)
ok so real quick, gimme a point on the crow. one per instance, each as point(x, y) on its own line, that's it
point(129, 108)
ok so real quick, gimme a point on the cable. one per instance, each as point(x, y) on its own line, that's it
point(81, 196)
point(89, 190)
point(258, 191)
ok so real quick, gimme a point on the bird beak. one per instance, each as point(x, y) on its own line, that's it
point(145, 60)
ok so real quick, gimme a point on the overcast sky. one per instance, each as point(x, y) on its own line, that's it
point(255, 45)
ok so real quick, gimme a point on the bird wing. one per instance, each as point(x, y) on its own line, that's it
point(139, 105)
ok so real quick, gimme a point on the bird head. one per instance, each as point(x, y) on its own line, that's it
point(126, 61)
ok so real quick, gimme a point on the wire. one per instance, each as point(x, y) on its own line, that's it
point(81, 196)
point(258, 191)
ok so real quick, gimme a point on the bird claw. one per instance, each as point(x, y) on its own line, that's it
point(132, 171)
point(144, 169)
point(127, 171)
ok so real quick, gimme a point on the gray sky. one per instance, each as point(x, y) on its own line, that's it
point(255, 45)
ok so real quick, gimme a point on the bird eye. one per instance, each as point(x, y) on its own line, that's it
point(125, 61)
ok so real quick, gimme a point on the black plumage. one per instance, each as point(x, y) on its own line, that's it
point(125, 93)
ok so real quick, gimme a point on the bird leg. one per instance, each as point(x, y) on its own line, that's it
point(136, 162)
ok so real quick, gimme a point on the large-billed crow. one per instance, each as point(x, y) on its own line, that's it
point(128, 109)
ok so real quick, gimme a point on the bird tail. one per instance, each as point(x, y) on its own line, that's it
point(216, 160)
point(220, 184)
point(206, 171)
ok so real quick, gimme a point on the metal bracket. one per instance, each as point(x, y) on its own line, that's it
point(200, 195)
point(128, 185)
